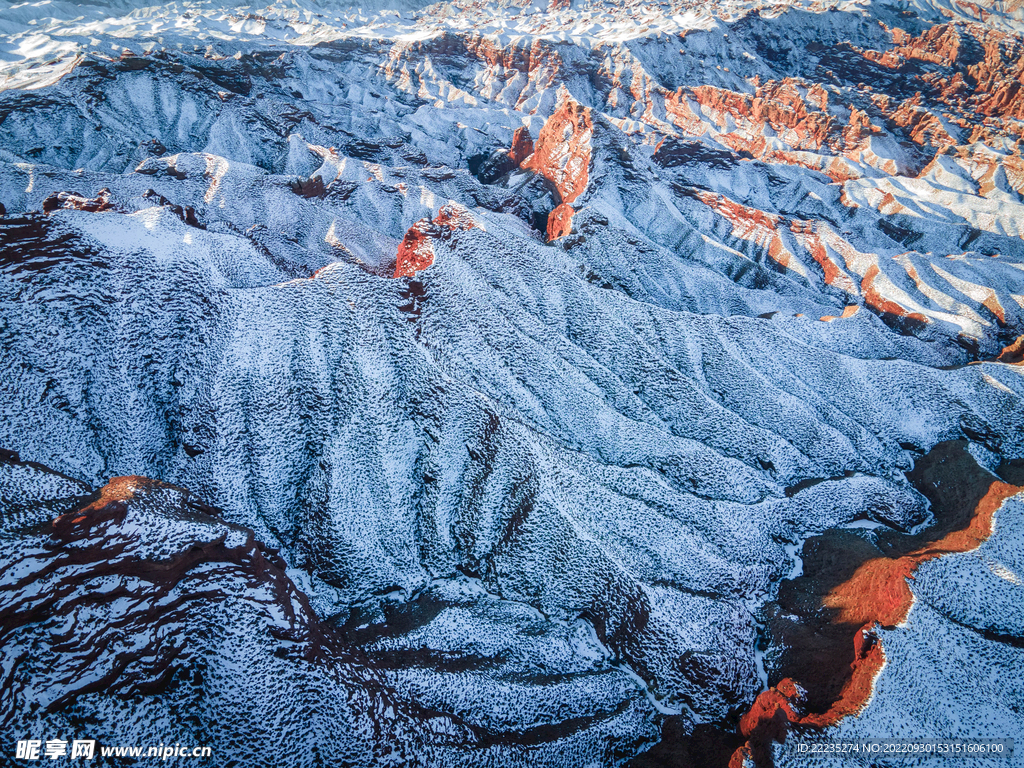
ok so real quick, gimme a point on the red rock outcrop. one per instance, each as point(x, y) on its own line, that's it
point(777, 709)
point(806, 235)
point(560, 222)
point(987, 66)
point(454, 217)
point(1013, 354)
point(416, 251)
point(110, 504)
point(921, 126)
point(562, 154)
point(790, 109)
point(537, 59)
point(848, 311)
point(969, 70)
point(777, 105)
point(522, 145)
point(972, 70)
point(879, 592)
point(77, 202)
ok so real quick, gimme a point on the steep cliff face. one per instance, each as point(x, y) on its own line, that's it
point(550, 384)
point(562, 155)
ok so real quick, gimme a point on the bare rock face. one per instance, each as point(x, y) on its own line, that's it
point(550, 384)
point(522, 145)
point(76, 202)
point(416, 251)
point(562, 155)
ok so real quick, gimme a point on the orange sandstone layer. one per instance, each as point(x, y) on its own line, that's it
point(1013, 354)
point(109, 503)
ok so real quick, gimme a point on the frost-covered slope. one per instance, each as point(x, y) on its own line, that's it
point(529, 336)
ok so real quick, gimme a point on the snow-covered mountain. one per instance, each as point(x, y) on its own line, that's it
point(506, 384)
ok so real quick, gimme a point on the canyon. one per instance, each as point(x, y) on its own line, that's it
point(506, 383)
